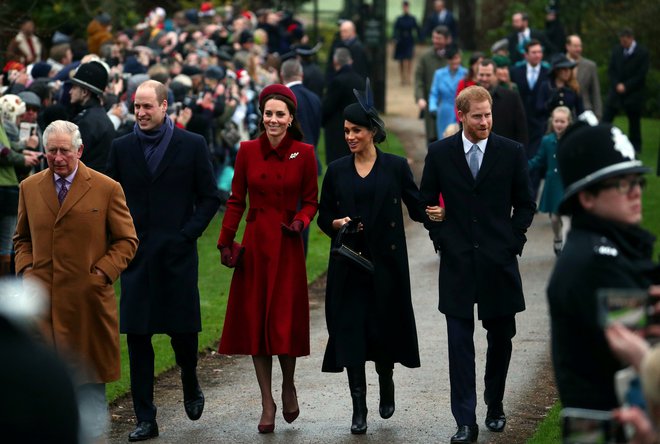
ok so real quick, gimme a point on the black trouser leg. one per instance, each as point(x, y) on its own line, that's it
point(386, 385)
point(141, 358)
point(185, 350)
point(357, 382)
point(462, 373)
point(635, 128)
point(610, 111)
point(500, 332)
point(185, 354)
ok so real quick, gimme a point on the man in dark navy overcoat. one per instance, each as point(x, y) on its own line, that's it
point(171, 193)
point(488, 208)
point(629, 65)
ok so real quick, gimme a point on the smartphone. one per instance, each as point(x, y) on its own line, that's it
point(584, 426)
point(631, 307)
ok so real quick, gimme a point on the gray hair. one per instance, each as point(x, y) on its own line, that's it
point(342, 56)
point(64, 127)
point(290, 70)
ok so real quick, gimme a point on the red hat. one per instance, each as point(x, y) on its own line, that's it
point(277, 88)
point(206, 9)
point(13, 65)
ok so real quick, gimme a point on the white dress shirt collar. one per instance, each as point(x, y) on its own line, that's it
point(524, 35)
point(69, 178)
point(467, 145)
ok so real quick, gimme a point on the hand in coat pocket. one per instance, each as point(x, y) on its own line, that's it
point(519, 241)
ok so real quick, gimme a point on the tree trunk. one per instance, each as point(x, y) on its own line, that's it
point(467, 12)
point(428, 9)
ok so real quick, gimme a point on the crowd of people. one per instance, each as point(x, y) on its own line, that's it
point(130, 141)
point(540, 74)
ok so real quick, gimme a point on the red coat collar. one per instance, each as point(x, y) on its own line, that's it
point(281, 150)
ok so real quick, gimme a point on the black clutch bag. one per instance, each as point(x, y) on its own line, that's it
point(340, 250)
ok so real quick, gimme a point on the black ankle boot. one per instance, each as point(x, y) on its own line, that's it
point(357, 382)
point(386, 385)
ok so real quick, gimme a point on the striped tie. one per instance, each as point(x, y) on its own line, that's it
point(473, 160)
point(63, 190)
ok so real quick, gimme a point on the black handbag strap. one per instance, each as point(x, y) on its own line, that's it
point(340, 235)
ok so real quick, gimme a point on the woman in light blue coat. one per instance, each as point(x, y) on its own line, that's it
point(443, 90)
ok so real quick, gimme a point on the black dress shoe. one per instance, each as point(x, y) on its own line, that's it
point(194, 407)
point(495, 421)
point(465, 434)
point(193, 398)
point(144, 430)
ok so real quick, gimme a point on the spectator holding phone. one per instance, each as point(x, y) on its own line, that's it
point(606, 248)
point(632, 349)
point(11, 160)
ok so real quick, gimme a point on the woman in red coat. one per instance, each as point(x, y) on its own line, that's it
point(268, 308)
point(470, 78)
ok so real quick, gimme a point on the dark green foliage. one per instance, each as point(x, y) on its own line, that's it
point(596, 21)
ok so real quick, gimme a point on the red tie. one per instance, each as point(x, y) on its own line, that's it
point(33, 55)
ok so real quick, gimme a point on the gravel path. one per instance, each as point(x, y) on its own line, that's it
point(422, 395)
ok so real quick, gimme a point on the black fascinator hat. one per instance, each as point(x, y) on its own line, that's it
point(364, 113)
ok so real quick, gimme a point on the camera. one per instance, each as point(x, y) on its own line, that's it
point(188, 102)
point(632, 307)
point(585, 426)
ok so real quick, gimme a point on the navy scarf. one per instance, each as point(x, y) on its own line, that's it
point(154, 143)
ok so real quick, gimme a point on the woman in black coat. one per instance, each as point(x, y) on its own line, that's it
point(369, 315)
point(561, 88)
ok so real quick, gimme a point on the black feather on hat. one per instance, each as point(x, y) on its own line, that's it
point(365, 113)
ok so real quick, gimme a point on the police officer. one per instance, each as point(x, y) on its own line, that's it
point(95, 126)
point(606, 248)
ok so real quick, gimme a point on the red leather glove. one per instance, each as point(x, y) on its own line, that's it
point(225, 257)
point(294, 229)
point(231, 256)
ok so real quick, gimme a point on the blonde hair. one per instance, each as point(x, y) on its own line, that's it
point(650, 373)
point(563, 109)
point(451, 129)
